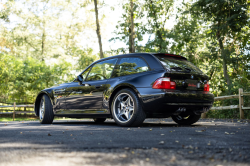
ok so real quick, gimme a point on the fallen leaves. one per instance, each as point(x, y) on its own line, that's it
point(122, 155)
point(150, 129)
point(229, 133)
point(161, 143)
point(173, 159)
point(49, 134)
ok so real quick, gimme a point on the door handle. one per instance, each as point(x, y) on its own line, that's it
point(98, 86)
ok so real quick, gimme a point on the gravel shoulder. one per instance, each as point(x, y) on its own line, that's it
point(156, 142)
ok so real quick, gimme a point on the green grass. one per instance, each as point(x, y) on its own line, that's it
point(6, 119)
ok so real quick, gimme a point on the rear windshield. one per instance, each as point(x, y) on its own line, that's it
point(177, 64)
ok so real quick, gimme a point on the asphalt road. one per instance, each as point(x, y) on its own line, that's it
point(156, 142)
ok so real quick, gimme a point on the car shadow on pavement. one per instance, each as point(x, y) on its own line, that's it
point(110, 123)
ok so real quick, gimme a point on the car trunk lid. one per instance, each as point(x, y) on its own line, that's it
point(185, 74)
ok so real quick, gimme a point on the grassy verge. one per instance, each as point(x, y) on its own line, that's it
point(8, 119)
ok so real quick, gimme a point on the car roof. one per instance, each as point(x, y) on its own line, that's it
point(151, 60)
point(142, 54)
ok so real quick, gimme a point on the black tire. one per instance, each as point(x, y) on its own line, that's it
point(99, 120)
point(47, 113)
point(188, 120)
point(138, 115)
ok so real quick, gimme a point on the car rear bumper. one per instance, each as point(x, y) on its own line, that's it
point(157, 101)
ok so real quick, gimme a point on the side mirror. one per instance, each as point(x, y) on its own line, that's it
point(79, 79)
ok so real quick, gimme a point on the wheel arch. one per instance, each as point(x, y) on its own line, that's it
point(38, 99)
point(120, 87)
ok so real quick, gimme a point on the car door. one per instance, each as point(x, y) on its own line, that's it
point(59, 98)
point(87, 97)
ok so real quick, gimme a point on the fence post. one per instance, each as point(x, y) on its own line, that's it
point(241, 103)
point(14, 111)
point(25, 115)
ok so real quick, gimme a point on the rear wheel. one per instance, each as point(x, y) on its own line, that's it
point(126, 109)
point(46, 115)
point(99, 120)
point(186, 120)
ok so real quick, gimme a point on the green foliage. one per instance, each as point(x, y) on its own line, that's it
point(123, 28)
point(156, 12)
point(23, 79)
point(212, 34)
point(86, 57)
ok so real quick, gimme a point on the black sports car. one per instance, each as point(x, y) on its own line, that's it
point(130, 88)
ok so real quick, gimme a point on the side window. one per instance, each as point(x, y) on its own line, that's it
point(102, 70)
point(84, 74)
point(129, 66)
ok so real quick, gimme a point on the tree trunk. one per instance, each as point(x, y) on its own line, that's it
point(131, 29)
point(43, 43)
point(98, 30)
point(225, 72)
point(158, 32)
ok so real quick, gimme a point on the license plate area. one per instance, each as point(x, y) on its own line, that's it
point(192, 84)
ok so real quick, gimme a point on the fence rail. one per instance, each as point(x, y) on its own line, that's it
point(14, 112)
point(241, 107)
point(239, 96)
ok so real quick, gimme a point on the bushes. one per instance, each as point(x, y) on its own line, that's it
point(21, 80)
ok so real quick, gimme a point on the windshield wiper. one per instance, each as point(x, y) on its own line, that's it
point(176, 68)
point(180, 69)
point(189, 70)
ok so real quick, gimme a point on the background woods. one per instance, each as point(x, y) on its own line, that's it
point(48, 42)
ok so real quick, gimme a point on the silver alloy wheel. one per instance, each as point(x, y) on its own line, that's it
point(123, 107)
point(178, 117)
point(41, 110)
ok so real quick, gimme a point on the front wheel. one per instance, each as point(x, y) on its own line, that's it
point(126, 109)
point(186, 120)
point(46, 115)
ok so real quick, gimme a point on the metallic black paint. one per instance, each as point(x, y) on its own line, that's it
point(79, 101)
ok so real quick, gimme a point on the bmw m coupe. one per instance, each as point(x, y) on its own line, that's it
point(130, 88)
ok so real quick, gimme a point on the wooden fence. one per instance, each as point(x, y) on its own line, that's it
point(241, 107)
point(14, 112)
point(239, 96)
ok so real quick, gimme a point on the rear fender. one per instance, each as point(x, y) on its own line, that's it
point(120, 87)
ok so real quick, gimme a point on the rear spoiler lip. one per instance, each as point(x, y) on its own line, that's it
point(170, 55)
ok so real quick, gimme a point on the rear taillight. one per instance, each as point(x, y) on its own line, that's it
point(164, 83)
point(206, 87)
